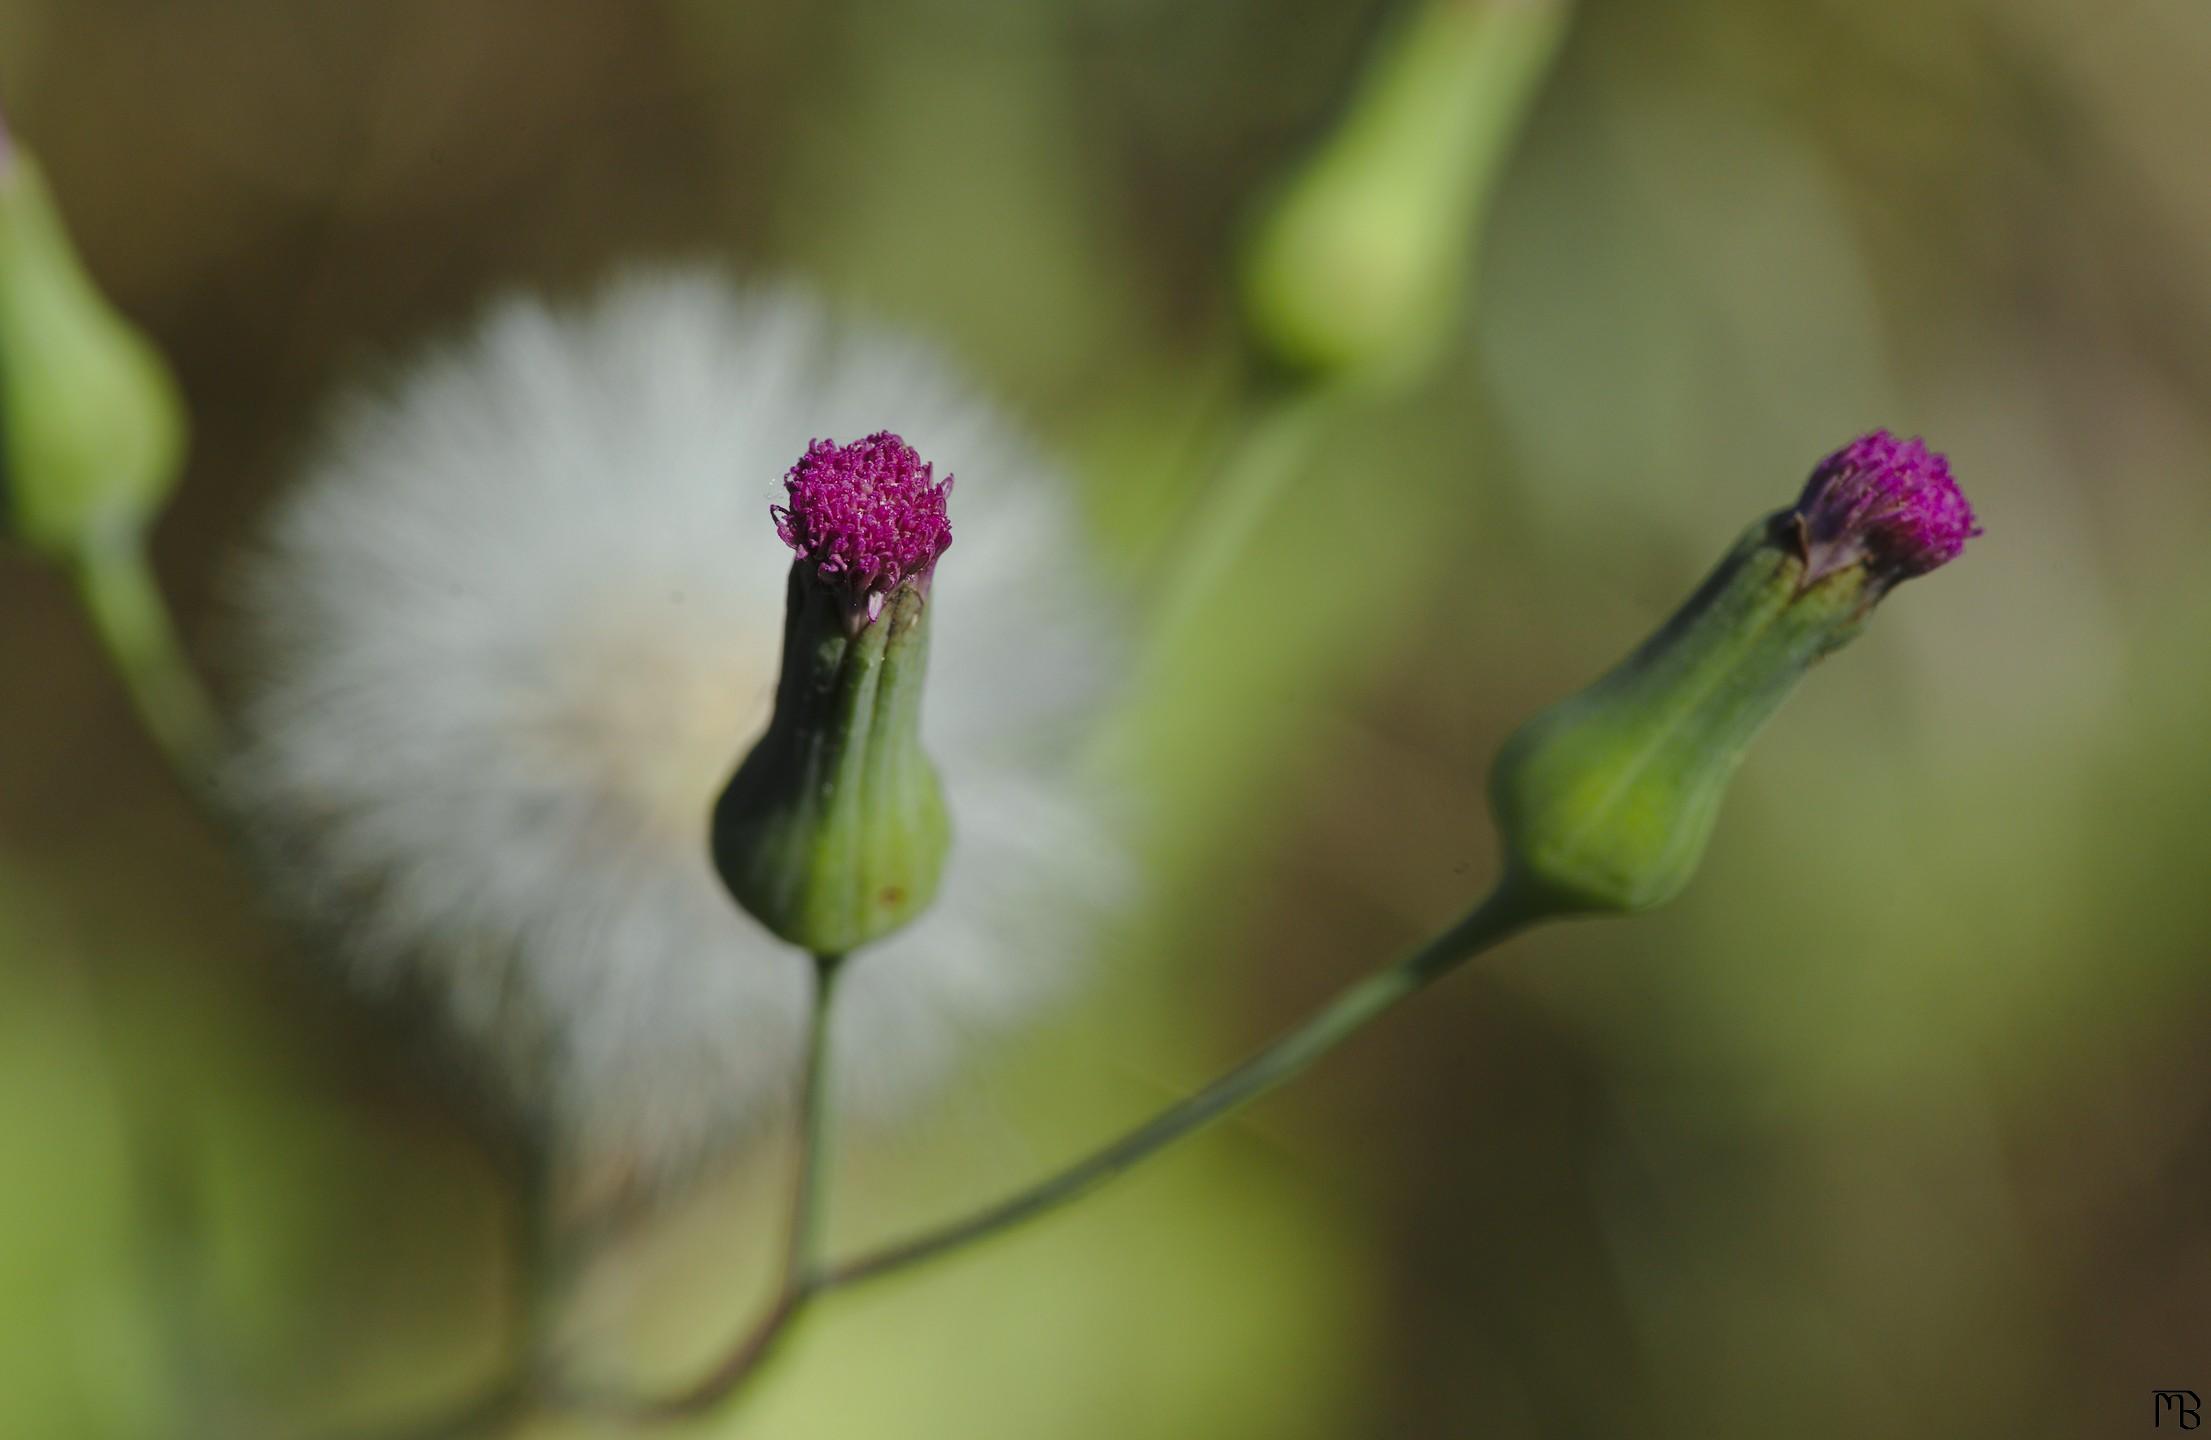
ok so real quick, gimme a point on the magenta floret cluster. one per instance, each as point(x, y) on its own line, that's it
point(869, 515)
point(1889, 500)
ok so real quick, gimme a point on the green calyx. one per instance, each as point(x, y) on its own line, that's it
point(833, 832)
point(92, 428)
point(1606, 800)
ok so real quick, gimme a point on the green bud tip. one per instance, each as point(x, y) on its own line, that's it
point(91, 424)
point(1605, 802)
point(833, 831)
point(1355, 265)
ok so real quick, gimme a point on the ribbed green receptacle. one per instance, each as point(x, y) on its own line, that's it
point(833, 831)
point(1606, 800)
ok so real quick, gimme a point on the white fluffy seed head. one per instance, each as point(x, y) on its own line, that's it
point(510, 636)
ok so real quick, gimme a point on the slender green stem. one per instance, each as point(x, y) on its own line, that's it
point(1493, 921)
point(810, 1205)
point(1497, 918)
point(801, 1280)
point(115, 582)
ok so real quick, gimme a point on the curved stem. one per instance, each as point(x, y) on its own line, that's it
point(801, 1279)
point(1504, 913)
point(116, 585)
point(1490, 923)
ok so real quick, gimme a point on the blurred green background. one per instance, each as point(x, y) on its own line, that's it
point(1896, 1126)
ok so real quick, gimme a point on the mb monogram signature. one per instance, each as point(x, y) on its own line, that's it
point(2181, 1404)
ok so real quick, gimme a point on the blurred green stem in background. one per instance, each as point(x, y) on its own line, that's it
point(534, 1385)
point(115, 582)
point(92, 442)
point(1503, 914)
point(1356, 266)
point(1270, 432)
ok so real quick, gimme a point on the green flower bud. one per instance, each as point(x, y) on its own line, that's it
point(1358, 263)
point(1606, 801)
point(91, 425)
point(833, 831)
